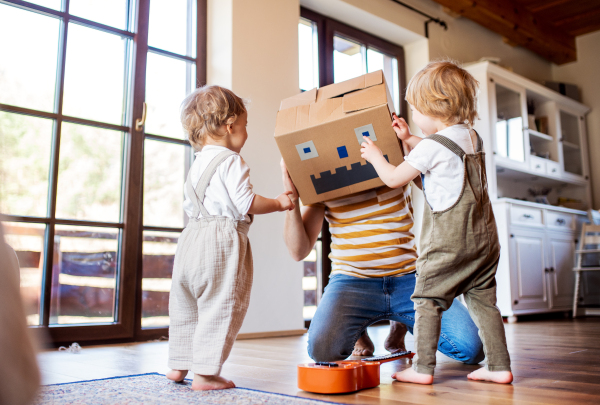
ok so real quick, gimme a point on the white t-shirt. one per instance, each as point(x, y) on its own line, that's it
point(443, 169)
point(229, 192)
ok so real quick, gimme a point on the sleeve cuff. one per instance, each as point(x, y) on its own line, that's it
point(417, 166)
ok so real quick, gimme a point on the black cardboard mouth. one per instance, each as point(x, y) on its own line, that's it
point(344, 177)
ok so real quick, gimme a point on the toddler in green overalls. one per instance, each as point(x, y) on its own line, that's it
point(459, 241)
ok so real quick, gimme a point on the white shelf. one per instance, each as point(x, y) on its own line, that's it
point(537, 134)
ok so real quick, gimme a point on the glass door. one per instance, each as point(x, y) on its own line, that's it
point(510, 138)
point(92, 202)
point(570, 139)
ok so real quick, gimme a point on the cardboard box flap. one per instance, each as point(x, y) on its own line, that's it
point(366, 98)
point(286, 121)
point(304, 98)
point(348, 86)
point(326, 110)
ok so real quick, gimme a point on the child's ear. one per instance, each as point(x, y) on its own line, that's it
point(229, 128)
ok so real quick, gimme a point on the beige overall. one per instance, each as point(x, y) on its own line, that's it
point(459, 255)
point(212, 279)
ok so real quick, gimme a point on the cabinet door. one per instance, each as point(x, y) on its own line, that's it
point(561, 250)
point(528, 264)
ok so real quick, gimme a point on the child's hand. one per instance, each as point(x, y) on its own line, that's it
point(288, 185)
point(369, 151)
point(285, 201)
point(401, 128)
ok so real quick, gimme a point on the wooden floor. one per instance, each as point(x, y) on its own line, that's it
point(554, 362)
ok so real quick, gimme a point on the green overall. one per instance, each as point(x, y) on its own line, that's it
point(459, 255)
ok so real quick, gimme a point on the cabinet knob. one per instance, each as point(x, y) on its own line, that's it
point(527, 215)
point(547, 270)
point(516, 302)
point(512, 235)
point(560, 221)
point(551, 269)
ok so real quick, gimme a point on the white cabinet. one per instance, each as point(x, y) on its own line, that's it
point(535, 141)
point(535, 273)
point(534, 138)
point(560, 253)
point(528, 265)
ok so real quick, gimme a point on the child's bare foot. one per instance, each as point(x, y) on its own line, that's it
point(211, 382)
point(411, 376)
point(483, 374)
point(177, 375)
point(394, 343)
point(363, 346)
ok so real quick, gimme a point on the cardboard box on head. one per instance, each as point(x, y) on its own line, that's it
point(319, 133)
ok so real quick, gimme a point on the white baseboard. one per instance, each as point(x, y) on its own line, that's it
point(278, 333)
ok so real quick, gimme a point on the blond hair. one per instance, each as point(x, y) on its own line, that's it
point(445, 91)
point(206, 110)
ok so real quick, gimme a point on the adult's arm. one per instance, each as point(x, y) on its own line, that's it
point(301, 225)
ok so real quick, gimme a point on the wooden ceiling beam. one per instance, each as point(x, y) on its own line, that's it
point(518, 25)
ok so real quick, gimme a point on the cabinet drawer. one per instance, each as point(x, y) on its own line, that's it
point(537, 165)
point(525, 216)
point(553, 168)
point(560, 220)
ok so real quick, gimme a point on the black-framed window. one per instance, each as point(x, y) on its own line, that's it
point(91, 196)
point(331, 52)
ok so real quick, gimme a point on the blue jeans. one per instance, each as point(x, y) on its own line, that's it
point(350, 304)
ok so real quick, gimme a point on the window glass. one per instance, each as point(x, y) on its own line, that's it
point(158, 257)
point(310, 283)
point(164, 177)
point(25, 147)
point(84, 275)
point(27, 240)
point(173, 26)
point(94, 75)
point(168, 81)
point(89, 173)
point(349, 59)
point(54, 4)
point(28, 60)
point(308, 54)
point(379, 61)
point(108, 12)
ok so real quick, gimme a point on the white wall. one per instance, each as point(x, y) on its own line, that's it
point(253, 49)
point(584, 73)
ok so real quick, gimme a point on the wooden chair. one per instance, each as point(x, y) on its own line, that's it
point(590, 235)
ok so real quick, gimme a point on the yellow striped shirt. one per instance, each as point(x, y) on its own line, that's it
point(371, 233)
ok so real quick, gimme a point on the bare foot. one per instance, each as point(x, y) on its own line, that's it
point(363, 346)
point(483, 374)
point(411, 376)
point(211, 382)
point(394, 343)
point(177, 375)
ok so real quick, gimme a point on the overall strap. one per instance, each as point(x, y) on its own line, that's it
point(479, 143)
point(203, 183)
point(448, 143)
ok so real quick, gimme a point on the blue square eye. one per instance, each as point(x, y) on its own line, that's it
point(366, 133)
point(306, 150)
point(342, 152)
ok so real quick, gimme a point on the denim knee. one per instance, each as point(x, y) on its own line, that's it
point(322, 348)
point(470, 352)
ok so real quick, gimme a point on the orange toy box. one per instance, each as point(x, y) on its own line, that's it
point(319, 133)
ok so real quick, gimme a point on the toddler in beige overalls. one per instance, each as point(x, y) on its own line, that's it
point(459, 248)
point(212, 273)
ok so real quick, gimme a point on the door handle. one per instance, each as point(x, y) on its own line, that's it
point(139, 123)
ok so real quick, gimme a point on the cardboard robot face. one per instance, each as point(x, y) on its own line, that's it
point(340, 177)
point(320, 134)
